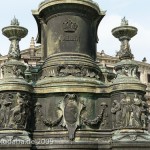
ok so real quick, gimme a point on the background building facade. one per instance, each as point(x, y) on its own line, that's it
point(33, 55)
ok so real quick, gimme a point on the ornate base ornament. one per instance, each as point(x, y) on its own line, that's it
point(131, 135)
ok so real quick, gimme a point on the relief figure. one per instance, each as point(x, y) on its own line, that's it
point(126, 110)
point(116, 111)
point(129, 112)
point(18, 113)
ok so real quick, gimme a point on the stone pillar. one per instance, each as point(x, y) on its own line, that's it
point(15, 94)
point(32, 47)
point(70, 37)
point(129, 108)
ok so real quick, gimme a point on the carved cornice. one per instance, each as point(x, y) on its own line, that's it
point(48, 9)
point(88, 3)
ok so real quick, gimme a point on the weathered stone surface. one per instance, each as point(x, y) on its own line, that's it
point(73, 104)
point(71, 48)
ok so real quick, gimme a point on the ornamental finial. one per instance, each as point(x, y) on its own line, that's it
point(15, 22)
point(124, 22)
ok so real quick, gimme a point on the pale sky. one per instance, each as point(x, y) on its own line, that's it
point(137, 12)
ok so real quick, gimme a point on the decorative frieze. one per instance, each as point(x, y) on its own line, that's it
point(130, 112)
point(69, 70)
point(129, 70)
point(71, 115)
point(14, 110)
point(13, 70)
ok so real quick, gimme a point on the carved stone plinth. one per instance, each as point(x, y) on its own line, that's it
point(71, 35)
point(15, 139)
point(131, 139)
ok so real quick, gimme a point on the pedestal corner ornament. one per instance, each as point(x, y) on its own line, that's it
point(129, 108)
point(13, 70)
point(15, 93)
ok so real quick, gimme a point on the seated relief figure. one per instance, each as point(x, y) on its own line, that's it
point(19, 114)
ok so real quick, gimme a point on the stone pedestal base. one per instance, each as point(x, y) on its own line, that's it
point(15, 140)
point(129, 139)
point(85, 140)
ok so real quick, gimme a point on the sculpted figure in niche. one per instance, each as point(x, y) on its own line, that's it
point(134, 72)
point(2, 114)
point(14, 51)
point(144, 111)
point(126, 110)
point(116, 111)
point(5, 107)
point(38, 115)
point(125, 47)
point(125, 71)
point(19, 114)
point(136, 114)
point(17, 72)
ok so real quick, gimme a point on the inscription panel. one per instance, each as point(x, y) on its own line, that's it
point(69, 34)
